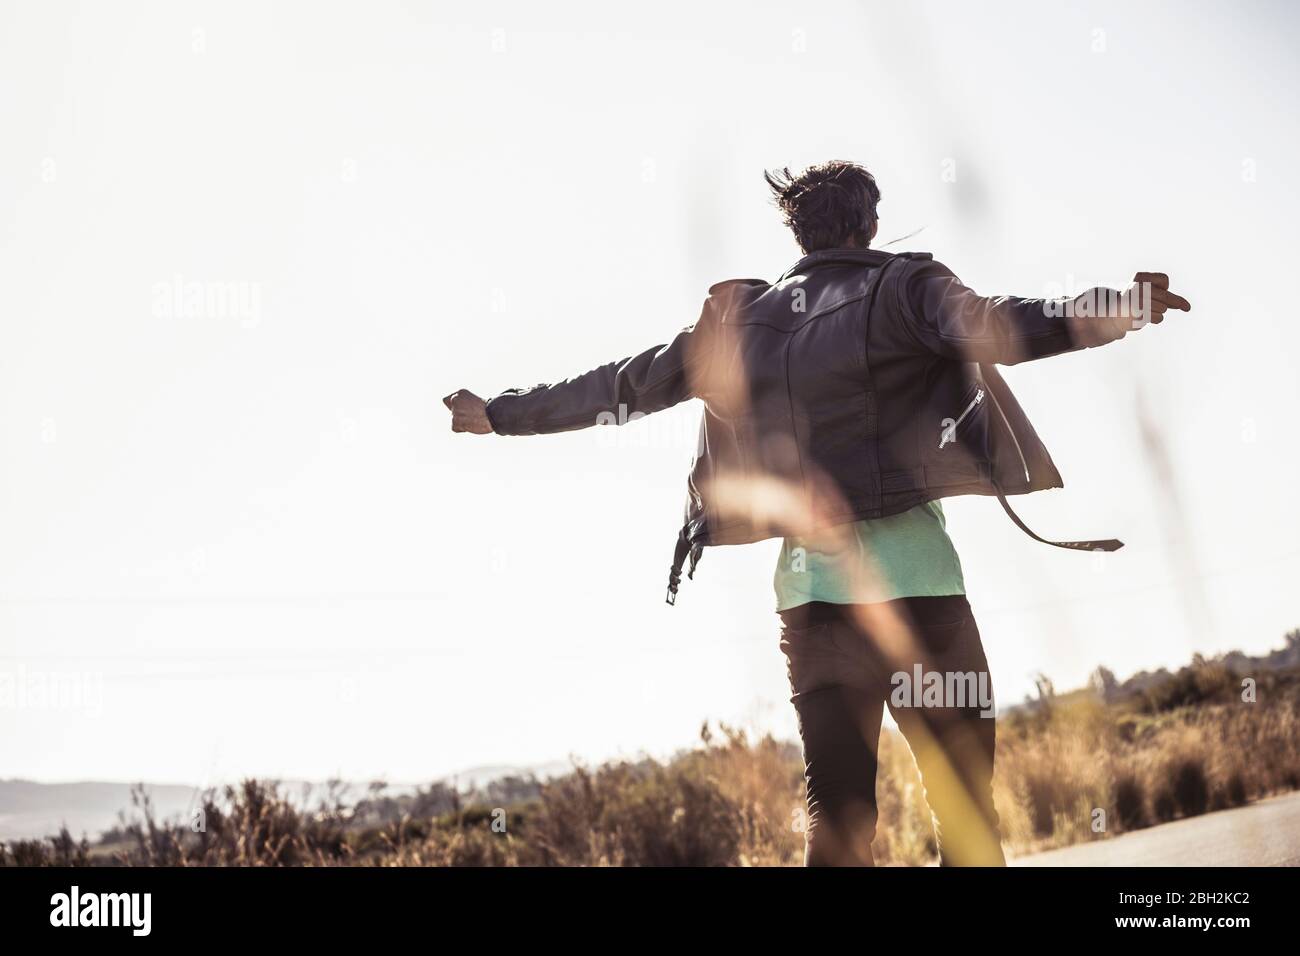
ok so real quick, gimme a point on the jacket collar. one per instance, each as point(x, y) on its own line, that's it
point(866, 257)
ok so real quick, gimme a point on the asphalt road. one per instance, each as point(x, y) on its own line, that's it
point(1266, 833)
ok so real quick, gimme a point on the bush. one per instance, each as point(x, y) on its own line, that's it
point(62, 850)
point(1191, 789)
point(1130, 802)
point(638, 815)
point(1163, 807)
point(1200, 683)
point(1043, 795)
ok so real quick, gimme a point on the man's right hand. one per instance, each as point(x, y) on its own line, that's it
point(1149, 298)
point(468, 412)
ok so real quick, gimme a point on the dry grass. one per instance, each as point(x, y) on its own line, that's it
point(1171, 752)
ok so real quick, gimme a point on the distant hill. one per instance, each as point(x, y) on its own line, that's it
point(29, 809)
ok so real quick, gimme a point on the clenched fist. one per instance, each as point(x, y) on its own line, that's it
point(468, 413)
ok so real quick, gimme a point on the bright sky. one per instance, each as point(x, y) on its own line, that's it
point(239, 524)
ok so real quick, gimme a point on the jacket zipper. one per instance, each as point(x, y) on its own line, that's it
point(948, 434)
point(1014, 440)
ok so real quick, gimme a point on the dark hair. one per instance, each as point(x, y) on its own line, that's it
point(827, 205)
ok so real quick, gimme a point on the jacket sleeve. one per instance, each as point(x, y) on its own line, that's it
point(657, 378)
point(950, 320)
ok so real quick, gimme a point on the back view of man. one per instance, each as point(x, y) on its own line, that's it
point(841, 404)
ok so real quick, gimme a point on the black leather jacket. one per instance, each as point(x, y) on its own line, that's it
point(858, 385)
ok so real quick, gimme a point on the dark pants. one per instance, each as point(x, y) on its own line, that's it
point(845, 664)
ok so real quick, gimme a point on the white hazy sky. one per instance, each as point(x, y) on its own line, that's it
point(250, 537)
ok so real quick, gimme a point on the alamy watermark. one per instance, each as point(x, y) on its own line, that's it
point(951, 689)
point(181, 298)
point(659, 431)
point(1133, 303)
point(74, 908)
point(23, 689)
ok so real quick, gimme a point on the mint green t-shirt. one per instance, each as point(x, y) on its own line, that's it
point(868, 561)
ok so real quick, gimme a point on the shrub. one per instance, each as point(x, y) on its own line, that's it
point(1191, 789)
point(1130, 802)
point(1163, 805)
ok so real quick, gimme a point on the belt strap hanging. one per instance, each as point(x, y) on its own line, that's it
point(1108, 544)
